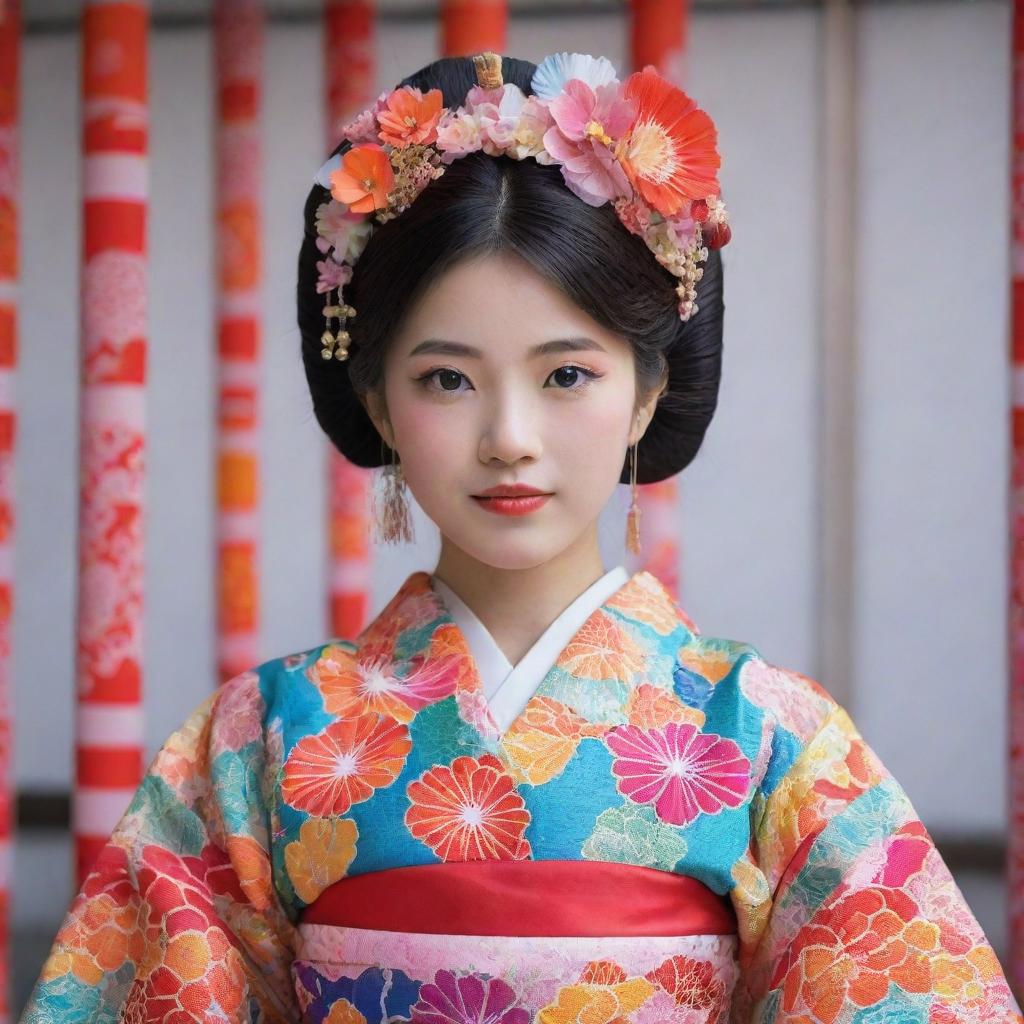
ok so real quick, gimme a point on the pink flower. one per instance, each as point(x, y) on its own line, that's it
point(474, 710)
point(239, 714)
point(584, 113)
point(363, 127)
point(499, 112)
point(588, 124)
point(661, 1008)
point(458, 134)
point(682, 230)
point(479, 97)
point(680, 770)
point(634, 214)
point(589, 168)
point(528, 134)
point(332, 275)
point(487, 121)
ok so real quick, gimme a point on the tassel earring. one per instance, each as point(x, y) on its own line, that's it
point(392, 518)
point(633, 517)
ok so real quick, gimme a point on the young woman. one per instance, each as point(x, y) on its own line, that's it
point(531, 789)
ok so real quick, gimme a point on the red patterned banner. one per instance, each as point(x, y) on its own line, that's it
point(350, 66)
point(238, 60)
point(115, 113)
point(658, 37)
point(349, 71)
point(472, 26)
point(1015, 881)
point(10, 53)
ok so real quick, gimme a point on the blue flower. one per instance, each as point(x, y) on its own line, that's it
point(691, 687)
point(558, 68)
point(378, 994)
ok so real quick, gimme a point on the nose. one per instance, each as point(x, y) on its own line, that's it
point(510, 431)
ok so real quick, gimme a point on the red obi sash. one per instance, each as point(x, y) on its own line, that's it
point(525, 897)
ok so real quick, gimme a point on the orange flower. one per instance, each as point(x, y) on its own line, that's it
point(98, 939)
point(342, 765)
point(596, 1004)
point(645, 599)
point(364, 179)
point(410, 118)
point(354, 686)
point(343, 1012)
point(469, 810)
point(447, 641)
point(852, 950)
point(690, 982)
point(541, 742)
point(601, 649)
point(651, 707)
point(669, 154)
point(321, 855)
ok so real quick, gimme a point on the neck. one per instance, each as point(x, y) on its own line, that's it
point(517, 605)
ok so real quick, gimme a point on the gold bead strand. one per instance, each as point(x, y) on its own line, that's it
point(336, 345)
point(327, 338)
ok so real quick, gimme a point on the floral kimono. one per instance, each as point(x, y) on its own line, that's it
point(671, 831)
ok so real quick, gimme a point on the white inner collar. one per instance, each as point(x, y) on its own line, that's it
point(508, 687)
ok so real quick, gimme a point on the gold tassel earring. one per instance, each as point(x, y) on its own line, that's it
point(392, 517)
point(633, 517)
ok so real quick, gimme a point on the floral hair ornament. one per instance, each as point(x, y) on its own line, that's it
point(642, 145)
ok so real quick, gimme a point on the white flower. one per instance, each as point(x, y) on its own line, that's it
point(555, 70)
point(323, 176)
point(498, 121)
point(347, 233)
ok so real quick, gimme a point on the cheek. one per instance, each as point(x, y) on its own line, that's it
point(429, 437)
point(591, 434)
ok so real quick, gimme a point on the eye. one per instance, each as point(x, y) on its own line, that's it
point(573, 378)
point(442, 378)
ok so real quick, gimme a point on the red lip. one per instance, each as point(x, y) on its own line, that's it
point(510, 491)
point(518, 505)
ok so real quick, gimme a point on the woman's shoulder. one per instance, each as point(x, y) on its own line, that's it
point(797, 702)
point(269, 687)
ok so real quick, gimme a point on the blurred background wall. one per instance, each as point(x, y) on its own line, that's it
point(930, 515)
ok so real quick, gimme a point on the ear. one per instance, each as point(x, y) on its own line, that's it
point(377, 410)
point(644, 412)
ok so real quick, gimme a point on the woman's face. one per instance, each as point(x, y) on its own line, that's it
point(497, 379)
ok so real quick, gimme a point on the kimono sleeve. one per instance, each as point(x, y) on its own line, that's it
point(847, 913)
point(179, 920)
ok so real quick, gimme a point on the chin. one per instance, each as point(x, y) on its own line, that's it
point(505, 552)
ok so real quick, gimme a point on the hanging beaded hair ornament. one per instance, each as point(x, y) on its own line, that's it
point(643, 145)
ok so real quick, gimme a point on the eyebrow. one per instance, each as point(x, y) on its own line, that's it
point(439, 346)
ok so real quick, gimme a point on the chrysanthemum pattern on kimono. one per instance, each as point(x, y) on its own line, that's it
point(646, 744)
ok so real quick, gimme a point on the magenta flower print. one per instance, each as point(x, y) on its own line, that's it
point(679, 770)
point(467, 999)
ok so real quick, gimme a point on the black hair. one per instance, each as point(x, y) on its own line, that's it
point(484, 204)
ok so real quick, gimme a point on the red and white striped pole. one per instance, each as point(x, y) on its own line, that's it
point(1015, 865)
point(10, 54)
point(115, 181)
point(238, 71)
point(472, 26)
point(349, 73)
point(658, 37)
